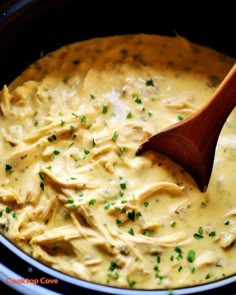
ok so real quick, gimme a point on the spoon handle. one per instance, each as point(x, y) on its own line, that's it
point(210, 119)
point(223, 101)
point(191, 143)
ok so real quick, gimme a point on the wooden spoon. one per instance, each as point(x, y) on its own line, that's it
point(191, 143)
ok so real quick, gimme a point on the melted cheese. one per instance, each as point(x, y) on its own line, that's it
point(72, 192)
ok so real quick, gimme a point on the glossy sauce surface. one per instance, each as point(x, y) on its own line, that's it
point(72, 192)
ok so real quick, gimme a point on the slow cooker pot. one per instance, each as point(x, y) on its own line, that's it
point(31, 28)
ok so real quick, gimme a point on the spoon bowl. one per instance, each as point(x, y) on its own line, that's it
point(191, 143)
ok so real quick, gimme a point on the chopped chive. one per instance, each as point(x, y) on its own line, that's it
point(8, 210)
point(115, 136)
point(147, 233)
point(158, 276)
point(212, 234)
point(138, 100)
point(191, 255)
point(94, 143)
point(42, 186)
point(56, 152)
point(149, 82)
point(179, 251)
point(131, 231)
point(107, 207)
point(146, 204)
point(123, 185)
point(104, 110)
point(200, 230)
point(113, 266)
point(52, 138)
point(41, 175)
point(122, 150)
point(156, 267)
point(173, 223)
point(197, 236)
point(121, 193)
point(129, 115)
point(131, 283)
point(86, 151)
point(8, 168)
point(118, 222)
point(138, 214)
point(131, 215)
point(180, 118)
point(92, 201)
point(83, 119)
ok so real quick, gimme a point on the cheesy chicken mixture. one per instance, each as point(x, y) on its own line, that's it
point(73, 193)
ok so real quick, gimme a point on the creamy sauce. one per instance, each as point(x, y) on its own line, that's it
point(72, 192)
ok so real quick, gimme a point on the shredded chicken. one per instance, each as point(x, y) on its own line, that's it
point(73, 193)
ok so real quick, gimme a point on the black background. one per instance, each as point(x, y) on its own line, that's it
point(42, 26)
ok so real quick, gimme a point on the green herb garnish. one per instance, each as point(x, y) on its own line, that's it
point(42, 186)
point(92, 201)
point(56, 152)
point(131, 231)
point(83, 119)
point(138, 100)
point(123, 185)
point(191, 256)
point(104, 110)
point(212, 234)
point(131, 215)
point(114, 136)
point(8, 168)
point(199, 235)
point(129, 115)
point(149, 82)
point(8, 210)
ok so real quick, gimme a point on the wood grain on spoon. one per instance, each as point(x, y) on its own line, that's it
point(191, 143)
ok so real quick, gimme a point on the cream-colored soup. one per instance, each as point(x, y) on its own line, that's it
point(72, 192)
